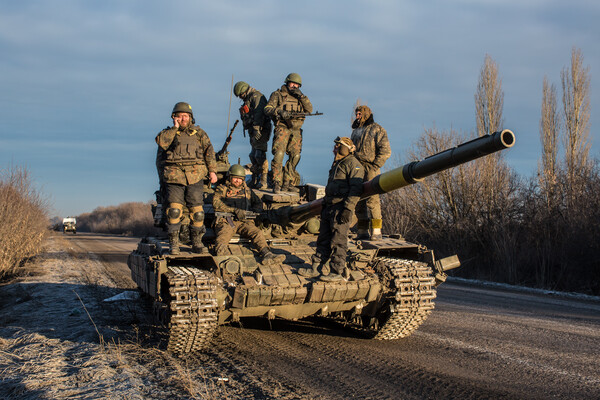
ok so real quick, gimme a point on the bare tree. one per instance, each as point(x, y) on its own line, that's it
point(576, 104)
point(489, 98)
point(489, 102)
point(549, 133)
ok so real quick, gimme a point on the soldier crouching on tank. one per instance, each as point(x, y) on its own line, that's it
point(286, 106)
point(372, 150)
point(258, 126)
point(235, 198)
point(342, 192)
point(189, 159)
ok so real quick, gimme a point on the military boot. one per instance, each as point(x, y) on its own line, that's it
point(376, 225)
point(362, 229)
point(197, 245)
point(268, 258)
point(285, 187)
point(276, 187)
point(310, 272)
point(174, 243)
point(263, 182)
point(331, 277)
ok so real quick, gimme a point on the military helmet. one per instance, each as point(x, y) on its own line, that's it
point(240, 88)
point(237, 170)
point(294, 77)
point(182, 107)
point(346, 141)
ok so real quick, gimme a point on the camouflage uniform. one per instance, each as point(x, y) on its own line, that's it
point(189, 158)
point(258, 126)
point(229, 198)
point(343, 191)
point(287, 138)
point(372, 150)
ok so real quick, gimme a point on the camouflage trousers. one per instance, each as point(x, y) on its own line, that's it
point(286, 141)
point(260, 165)
point(332, 242)
point(369, 208)
point(245, 229)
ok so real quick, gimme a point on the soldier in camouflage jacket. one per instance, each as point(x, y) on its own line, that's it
point(287, 138)
point(231, 201)
point(342, 192)
point(188, 159)
point(258, 126)
point(372, 150)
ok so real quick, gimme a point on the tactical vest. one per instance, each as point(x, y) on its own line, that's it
point(186, 149)
point(238, 199)
point(290, 103)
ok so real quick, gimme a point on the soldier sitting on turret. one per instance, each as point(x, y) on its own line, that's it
point(235, 199)
point(342, 192)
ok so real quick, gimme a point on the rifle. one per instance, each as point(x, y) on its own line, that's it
point(231, 216)
point(223, 152)
point(298, 114)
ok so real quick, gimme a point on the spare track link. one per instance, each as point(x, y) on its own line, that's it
point(193, 309)
point(412, 301)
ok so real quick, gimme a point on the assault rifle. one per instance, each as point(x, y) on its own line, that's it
point(221, 155)
point(298, 114)
point(231, 216)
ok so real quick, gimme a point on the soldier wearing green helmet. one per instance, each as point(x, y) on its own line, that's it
point(287, 138)
point(258, 126)
point(231, 202)
point(187, 158)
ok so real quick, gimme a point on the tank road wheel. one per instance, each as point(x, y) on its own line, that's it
point(408, 302)
point(190, 312)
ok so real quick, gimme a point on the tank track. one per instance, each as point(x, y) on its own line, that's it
point(412, 300)
point(191, 312)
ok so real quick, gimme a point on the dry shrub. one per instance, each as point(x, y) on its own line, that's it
point(24, 216)
point(132, 219)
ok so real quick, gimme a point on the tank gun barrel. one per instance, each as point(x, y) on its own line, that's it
point(412, 172)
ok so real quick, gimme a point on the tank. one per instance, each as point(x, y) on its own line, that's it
point(388, 292)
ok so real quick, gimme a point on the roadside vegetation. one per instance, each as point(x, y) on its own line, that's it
point(131, 219)
point(542, 231)
point(24, 216)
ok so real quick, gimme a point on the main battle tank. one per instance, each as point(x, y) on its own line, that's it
point(387, 294)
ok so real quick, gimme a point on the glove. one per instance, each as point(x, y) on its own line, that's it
point(256, 134)
point(296, 92)
point(240, 214)
point(284, 114)
point(345, 216)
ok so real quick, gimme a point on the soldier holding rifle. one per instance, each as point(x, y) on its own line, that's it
point(258, 126)
point(233, 202)
point(287, 107)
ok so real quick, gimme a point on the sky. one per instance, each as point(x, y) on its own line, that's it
point(87, 85)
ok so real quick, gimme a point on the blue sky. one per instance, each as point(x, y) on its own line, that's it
point(86, 85)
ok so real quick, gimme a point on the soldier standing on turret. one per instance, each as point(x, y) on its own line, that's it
point(258, 126)
point(372, 150)
point(342, 192)
point(288, 133)
point(236, 198)
point(189, 159)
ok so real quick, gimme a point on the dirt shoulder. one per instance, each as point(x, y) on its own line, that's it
point(59, 339)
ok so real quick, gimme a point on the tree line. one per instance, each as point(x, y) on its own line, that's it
point(541, 231)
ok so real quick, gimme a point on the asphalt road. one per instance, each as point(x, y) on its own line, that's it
point(479, 342)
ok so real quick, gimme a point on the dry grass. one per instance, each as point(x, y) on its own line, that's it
point(24, 216)
point(132, 219)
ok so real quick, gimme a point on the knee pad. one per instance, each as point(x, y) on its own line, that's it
point(294, 160)
point(197, 216)
point(278, 156)
point(174, 213)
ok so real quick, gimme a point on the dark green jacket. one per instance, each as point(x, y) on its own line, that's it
point(345, 182)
